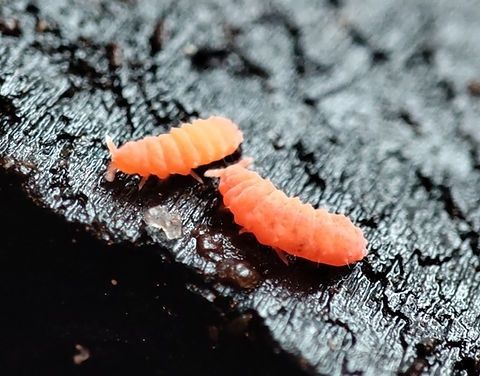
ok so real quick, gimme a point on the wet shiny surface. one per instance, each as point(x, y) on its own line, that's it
point(363, 108)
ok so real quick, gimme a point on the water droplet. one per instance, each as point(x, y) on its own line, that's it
point(238, 273)
point(82, 354)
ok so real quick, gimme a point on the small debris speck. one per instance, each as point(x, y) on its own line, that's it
point(474, 88)
point(190, 49)
point(331, 345)
point(159, 36)
point(82, 354)
point(206, 242)
point(170, 222)
point(42, 26)
point(10, 26)
point(8, 164)
point(114, 55)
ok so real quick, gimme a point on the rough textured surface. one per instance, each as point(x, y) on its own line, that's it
point(361, 107)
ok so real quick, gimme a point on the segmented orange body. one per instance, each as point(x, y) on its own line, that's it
point(286, 223)
point(177, 152)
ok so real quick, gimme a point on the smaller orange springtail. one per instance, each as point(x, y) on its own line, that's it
point(177, 152)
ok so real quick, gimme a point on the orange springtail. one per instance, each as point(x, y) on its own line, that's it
point(285, 223)
point(177, 152)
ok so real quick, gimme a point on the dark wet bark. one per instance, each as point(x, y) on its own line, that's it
point(365, 108)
